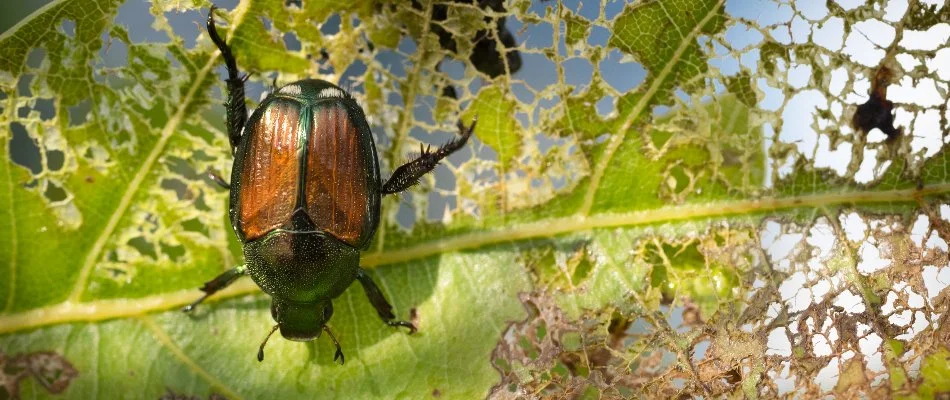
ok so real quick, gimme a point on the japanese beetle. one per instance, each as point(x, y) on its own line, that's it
point(305, 196)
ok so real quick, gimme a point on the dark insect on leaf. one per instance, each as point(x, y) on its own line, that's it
point(877, 112)
point(485, 55)
point(449, 91)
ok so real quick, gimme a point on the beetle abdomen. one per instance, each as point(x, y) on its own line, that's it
point(271, 174)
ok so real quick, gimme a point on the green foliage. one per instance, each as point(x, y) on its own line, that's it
point(664, 247)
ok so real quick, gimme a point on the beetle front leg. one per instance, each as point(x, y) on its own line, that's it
point(219, 282)
point(236, 111)
point(409, 173)
point(376, 298)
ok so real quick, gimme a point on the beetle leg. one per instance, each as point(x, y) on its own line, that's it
point(409, 173)
point(339, 350)
point(236, 111)
point(376, 298)
point(218, 179)
point(219, 282)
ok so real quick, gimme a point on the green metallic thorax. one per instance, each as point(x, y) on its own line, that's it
point(301, 267)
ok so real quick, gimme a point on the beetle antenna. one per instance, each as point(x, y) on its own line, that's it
point(260, 352)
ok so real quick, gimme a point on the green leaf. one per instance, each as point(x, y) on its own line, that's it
point(496, 127)
point(722, 227)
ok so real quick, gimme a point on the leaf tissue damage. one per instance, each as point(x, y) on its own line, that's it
point(690, 198)
point(771, 330)
point(172, 395)
point(50, 370)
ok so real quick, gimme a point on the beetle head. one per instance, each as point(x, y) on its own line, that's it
point(301, 321)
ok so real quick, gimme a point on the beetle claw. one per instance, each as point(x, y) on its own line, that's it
point(339, 350)
point(338, 355)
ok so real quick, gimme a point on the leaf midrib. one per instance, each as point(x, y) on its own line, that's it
point(118, 308)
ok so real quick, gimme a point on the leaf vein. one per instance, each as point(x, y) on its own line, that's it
point(13, 231)
point(617, 139)
point(166, 341)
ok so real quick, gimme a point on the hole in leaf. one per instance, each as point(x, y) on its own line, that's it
point(143, 246)
point(24, 151)
point(46, 109)
point(194, 225)
point(36, 57)
point(55, 160)
point(182, 167)
point(291, 42)
point(23, 85)
point(578, 73)
point(54, 193)
point(605, 106)
point(331, 26)
point(188, 25)
point(114, 54)
point(174, 252)
point(180, 188)
point(543, 71)
point(406, 216)
point(68, 27)
point(132, 13)
point(621, 74)
point(78, 113)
